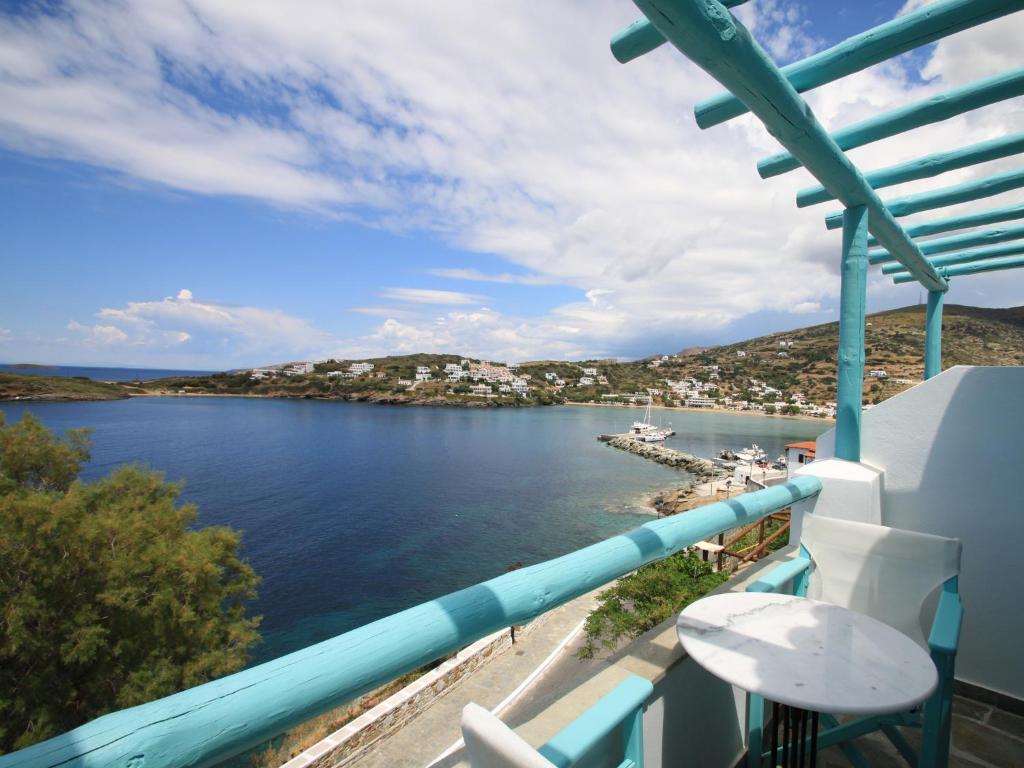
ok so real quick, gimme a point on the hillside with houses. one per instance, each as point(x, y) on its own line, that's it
point(790, 373)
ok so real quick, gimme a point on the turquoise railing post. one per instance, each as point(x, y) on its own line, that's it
point(933, 335)
point(852, 295)
point(755, 730)
point(203, 726)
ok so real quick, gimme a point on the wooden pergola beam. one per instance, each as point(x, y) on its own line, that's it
point(940, 198)
point(642, 37)
point(963, 257)
point(720, 45)
point(975, 267)
point(926, 167)
point(904, 33)
point(934, 109)
point(937, 226)
point(967, 240)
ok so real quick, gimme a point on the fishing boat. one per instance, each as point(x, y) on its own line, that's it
point(753, 454)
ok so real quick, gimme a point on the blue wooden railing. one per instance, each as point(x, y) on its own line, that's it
point(209, 723)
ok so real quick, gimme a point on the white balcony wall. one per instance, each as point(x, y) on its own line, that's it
point(952, 455)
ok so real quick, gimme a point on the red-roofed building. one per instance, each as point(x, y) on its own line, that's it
point(800, 453)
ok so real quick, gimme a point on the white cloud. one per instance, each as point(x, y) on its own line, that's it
point(382, 311)
point(99, 333)
point(575, 169)
point(429, 296)
point(6, 335)
point(212, 333)
point(805, 308)
point(475, 275)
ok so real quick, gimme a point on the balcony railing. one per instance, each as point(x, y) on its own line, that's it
point(212, 722)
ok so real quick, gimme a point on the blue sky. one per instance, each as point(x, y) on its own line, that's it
point(214, 186)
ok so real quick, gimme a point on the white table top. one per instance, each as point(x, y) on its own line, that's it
point(807, 654)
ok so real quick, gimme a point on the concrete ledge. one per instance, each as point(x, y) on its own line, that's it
point(850, 490)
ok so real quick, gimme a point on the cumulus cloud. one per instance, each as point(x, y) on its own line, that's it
point(575, 169)
point(204, 330)
point(98, 333)
point(6, 335)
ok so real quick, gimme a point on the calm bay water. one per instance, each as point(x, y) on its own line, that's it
point(351, 512)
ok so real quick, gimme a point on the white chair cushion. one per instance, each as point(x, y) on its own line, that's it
point(492, 744)
point(885, 573)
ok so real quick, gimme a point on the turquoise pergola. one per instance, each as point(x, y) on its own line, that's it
point(710, 36)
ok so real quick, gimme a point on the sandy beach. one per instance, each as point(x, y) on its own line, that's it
point(705, 410)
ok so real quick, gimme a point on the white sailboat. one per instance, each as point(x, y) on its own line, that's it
point(646, 432)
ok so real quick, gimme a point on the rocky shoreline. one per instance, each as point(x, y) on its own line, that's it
point(695, 465)
point(379, 398)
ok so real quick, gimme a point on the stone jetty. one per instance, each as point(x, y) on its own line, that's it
point(695, 465)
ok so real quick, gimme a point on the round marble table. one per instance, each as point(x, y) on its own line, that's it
point(806, 655)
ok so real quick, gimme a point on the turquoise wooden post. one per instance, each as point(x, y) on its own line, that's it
point(852, 295)
point(206, 725)
point(933, 335)
point(755, 730)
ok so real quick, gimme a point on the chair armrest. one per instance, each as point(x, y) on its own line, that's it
point(945, 634)
point(770, 581)
point(572, 742)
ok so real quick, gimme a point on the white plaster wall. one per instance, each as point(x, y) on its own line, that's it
point(952, 453)
point(694, 719)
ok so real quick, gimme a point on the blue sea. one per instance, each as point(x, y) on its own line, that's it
point(353, 511)
point(99, 374)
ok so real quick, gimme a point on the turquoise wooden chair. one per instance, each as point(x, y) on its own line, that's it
point(890, 575)
point(492, 744)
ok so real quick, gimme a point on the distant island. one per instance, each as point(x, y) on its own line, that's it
point(791, 373)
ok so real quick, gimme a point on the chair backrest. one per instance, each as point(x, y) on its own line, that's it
point(492, 744)
point(886, 573)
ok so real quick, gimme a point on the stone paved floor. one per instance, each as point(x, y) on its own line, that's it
point(417, 743)
point(983, 737)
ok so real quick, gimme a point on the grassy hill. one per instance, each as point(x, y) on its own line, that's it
point(894, 342)
point(25, 386)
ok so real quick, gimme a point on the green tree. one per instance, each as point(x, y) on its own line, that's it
point(107, 598)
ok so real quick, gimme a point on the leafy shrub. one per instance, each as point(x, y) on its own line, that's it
point(645, 598)
point(108, 597)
